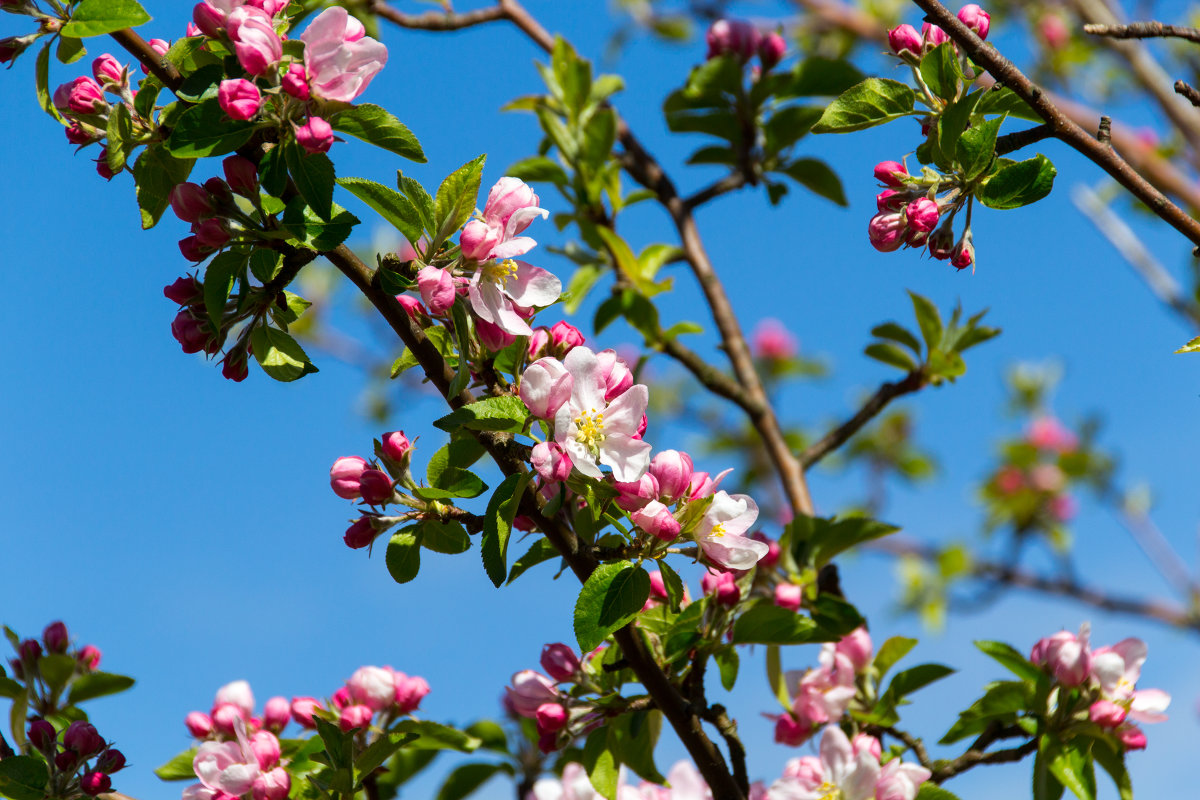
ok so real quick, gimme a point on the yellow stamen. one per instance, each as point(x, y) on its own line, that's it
point(829, 791)
point(500, 271)
point(589, 429)
point(718, 530)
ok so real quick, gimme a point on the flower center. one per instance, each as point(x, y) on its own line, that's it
point(500, 272)
point(589, 429)
point(829, 791)
point(718, 530)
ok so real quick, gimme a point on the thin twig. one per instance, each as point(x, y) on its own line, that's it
point(1065, 129)
point(1011, 142)
point(1144, 30)
point(1182, 87)
point(438, 20)
point(717, 715)
point(730, 183)
point(973, 758)
point(912, 743)
point(158, 64)
point(886, 393)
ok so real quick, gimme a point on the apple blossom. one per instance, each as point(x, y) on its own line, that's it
point(720, 532)
point(839, 772)
point(614, 372)
point(272, 785)
point(89, 657)
point(672, 470)
point(1116, 669)
point(772, 341)
point(551, 718)
point(788, 595)
point(722, 586)
point(636, 494)
point(345, 476)
point(255, 42)
point(976, 19)
point(361, 533)
point(373, 687)
point(1047, 433)
point(437, 289)
point(922, 215)
point(886, 232)
point(110, 761)
point(933, 35)
point(498, 287)
point(225, 717)
point(771, 49)
point(339, 59)
point(315, 135)
point(560, 661)
point(354, 716)
point(266, 749)
point(1065, 655)
point(55, 637)
point(239, 98)
point(295, 82)
point(81, 96)
point(410, 691)
point(199, 724)
point(42, 735)
point(396, 445)
point(528, 690)
point(656, 519)
point(545, 387)
point(550, 461)
point(1107, 714)
point(734, 37)
point(230, 766)
point(856, 646)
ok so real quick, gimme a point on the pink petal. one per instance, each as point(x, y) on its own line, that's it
point(533, 286)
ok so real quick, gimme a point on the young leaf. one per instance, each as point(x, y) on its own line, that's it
point(404, 555)
point(539, 552)
point(379, 127)
point(767, 623)
point(456, 197)
point(465, 779)
point(444, 537)
point(612, 596)
point(1011, 659)
point(816, 176)
point(98, 17)
point(97, 684)
point(218, 282)
point(941, 72)
point(314, 177)
point(976, 147)
point(870, 103)
point(1019, 184)
point(394, 207)
point(155, 173)
point(23, 778)
point(497, 525)
point(890, 652)
point(891, 355)
point(279, 355)
point(504, 413)
point(929, 320)
point(601, 764)
point(1072, 766)
point(179, 768)
point(205, 130)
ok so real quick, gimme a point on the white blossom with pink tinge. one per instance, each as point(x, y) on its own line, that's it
point(840, 772)
point(573, 786)
point(720, 532)
point(595, 432)
point(341, 61)
point(1117, 670)
point(229, 767)
point(498, 286)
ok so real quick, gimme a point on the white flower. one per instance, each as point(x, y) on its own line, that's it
point(720, 532)
point(841, 773)
point(1117, 670)
point(498, 286)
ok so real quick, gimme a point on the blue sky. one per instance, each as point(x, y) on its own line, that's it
point(184, 523)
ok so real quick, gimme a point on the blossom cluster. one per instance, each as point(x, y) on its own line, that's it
point(560, 717)
point(909, 209)
point(68, 758)
point(356, 478)
point(822, 695)
point(743, 41)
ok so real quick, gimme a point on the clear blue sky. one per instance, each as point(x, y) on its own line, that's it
point(184, 523)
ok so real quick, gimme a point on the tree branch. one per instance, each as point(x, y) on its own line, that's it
point(717, 715)
point(973, 758)
point(438, 20)
point(1144, 30)
point(1184, 88)
point(1067, 131)
point(912, 743)
point(158, 65)
point(841, 434)
point(1010, 142)
point(730, 183)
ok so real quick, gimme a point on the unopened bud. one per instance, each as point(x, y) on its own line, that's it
point(55, 637)
point(904, 39)
point(976, 19)
point(376, 487)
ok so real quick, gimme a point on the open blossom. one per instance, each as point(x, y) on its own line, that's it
point(255, 42)
point(499, 287)
point(1065, 655)
point(230, 766)
point(340, 60)
point(1117, 670)
point(839, 772)
point(595, 432)
point(528, 690)
point(720, 532)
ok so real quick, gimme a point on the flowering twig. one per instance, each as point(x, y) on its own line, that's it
point(831, 441)
point(1144, 30)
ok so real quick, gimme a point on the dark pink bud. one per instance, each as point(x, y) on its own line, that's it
point(904, 38)
point(67, 761)
point(941, 242)
point(345, 475)
point(161, 46)
point(673, 471)
point(102, 167)
point(933, 35)
point(551, 718)
point(211, 234)
point(225, 717)
point(771, 50)
point(890, 173)
point(375, 487)
point(184, 291)
point(235, 367)
point(354, 717)
point(636, 494)
point(222, 197)
point(1107, 714)
point(83, 739)
point(791, 732)
point(266, 749)
point(722, 586)
point(1132, 737)
point(302, 711)
point(111, 761)
point(656, 519)
point(886, 232)
point(560, 661)
point(191, 202)
point(199, 724)
point(733, 37)
point(547, 742)
point(191, 249)
point(273, 785)
point(493, 337)
point(658, 589)
point(437, 289)
point(409, 692)
point(478, 239)
point(108, 71)
point(95, 783)
point(11, 47)
point(538, 343)
point(914, 237)
point(42, 736)
point(788, 595)
point(551, 461)
point(411, 305)
point(55, 638)
point(209, 20)
point(976, 19)
point(922, 215)
point(315, 135)
point(564, 337)
point(81, 96)
point(396, 445)
point(242, 175)
point(360, 534)
point(295, 82)
point(30, 651)
point(890, 200)
point(963, 254)
point(239, 98)
point(89, 657)
point(78, 134)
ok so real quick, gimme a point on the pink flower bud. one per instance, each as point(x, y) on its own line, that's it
point(208, 19)
point(104, 170)
point(656, 519)
point(886, 232)
point(42, 735)
point(239, 694)
point(614, 372)
point(891, 200)
point(933, 35)
point(478, 239)
point(538, 342)
point(1047, 478)
point(963, 254)
point(550, 461)
point(857, 647)
point(89, 657)
point(315, 135)
point(111, 761)
point(81, 96)
point(547, 742)
point(551, 718)
point(1132, 737)
point(55, 637)
point(266, 749)
point(108, 71)
point(225, 717)
point(199, 724)
point(506, 198)
point(190, 332)
point(295, 82)
point(1107, 714)
point(545, 386)
point(658, 588)
point(722, 586)
point(437, 289)
point(211, 234)
point(83, 739)
point(788, 595)
point(563, 337)
point(491, 336)
point(865, 743)
point(1064, 655)
point(791, 732)
point(239, 98)
point(184, 291)
point(528, 690)
point(376, 487)
point(772, 557)
point(255, 42)
point(560, 661)
point(94, 783)
point(733, 37)
point(396, 445)
point(241, 175)
point(361, 533)
point(302, 711)
point(372, 687)
point(1054, 31)
point(30, 651)
point(276, 714)
point(636, 494)
point(78, 134)
point(922, 215)
point(67, 761)
point(890, 173)
point(341, 698)
point(771, 50)
point(411, 305)
point(191, 249)
point(904, 38)
point(941, 242)
point(410, 691)
point(976, 19)
point(345, 476)
point(673, 471)
point(273, 785)
point(1047, 433)
point(354, 717)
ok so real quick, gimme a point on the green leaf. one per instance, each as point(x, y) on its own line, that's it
point(456, 197)
point(394, 207)
point(448, 537)
point(97, 684)
point(314, 177)
point(835, 616)
point(891, 355)
point(178, 768)
point(465, 779)
point(339, 745)
point(458, 454)
point(890, 652)
point(504, 413)
point(10, 688)
point(767, 623)
point(265, 264)
point(98, 17)
point(816, 176)
point(1112, 761)
point(42, 83)
point(910, 680)
point(380, 751)
point(776, 679)
point(898, 333)
point(951, 124)
point(611, 597)
point(455, 483)
point(70, 50)
point(56, 669)
point(279, 355)
point(205, 130)
point(379, 127)
point(600, 763)
point(976, 147)
point(941, 72)
point(831, 537)
point(1019, 184)
point(490, 735)
point(323, 235)
point(539, 169)
point(120, 137)
point(435, 736)
point(727, 663)
point(674, 586)
point(155, 173)
point(1011, 659)
point(497, 526)
point(1001, 702)
point(633, 738)
point(540, 551)
point(929, 320)
point(1072, 766)
point(420, 199)
point(219, 277)
point(23, 778)
point(931, 791)
point(1002, 100)
point(870, 103)
point(404, 555)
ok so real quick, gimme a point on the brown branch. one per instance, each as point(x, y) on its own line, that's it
point(1184, 88)
point(912, 743)
point(730, 183)
point(438, 20)
point(973, 758)
point(841, 434)
point(158, 65)
point(712, 378)
point(1144, 30)
point(717, 715)
point(1067, 131)
point(1011, 142)
point(675, 707)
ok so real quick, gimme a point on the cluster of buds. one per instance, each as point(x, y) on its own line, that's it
point(377, 690)
point(1030, 487)
point(55, 641)
point(71, 774)
point(909, 45)
point(214, 214)
point(555, 341)
point(909, 210)
point(743, 41)
point(1101, 685)
point(355, 478)
point(822, 695)
point(193, 329)
point(560, 716)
